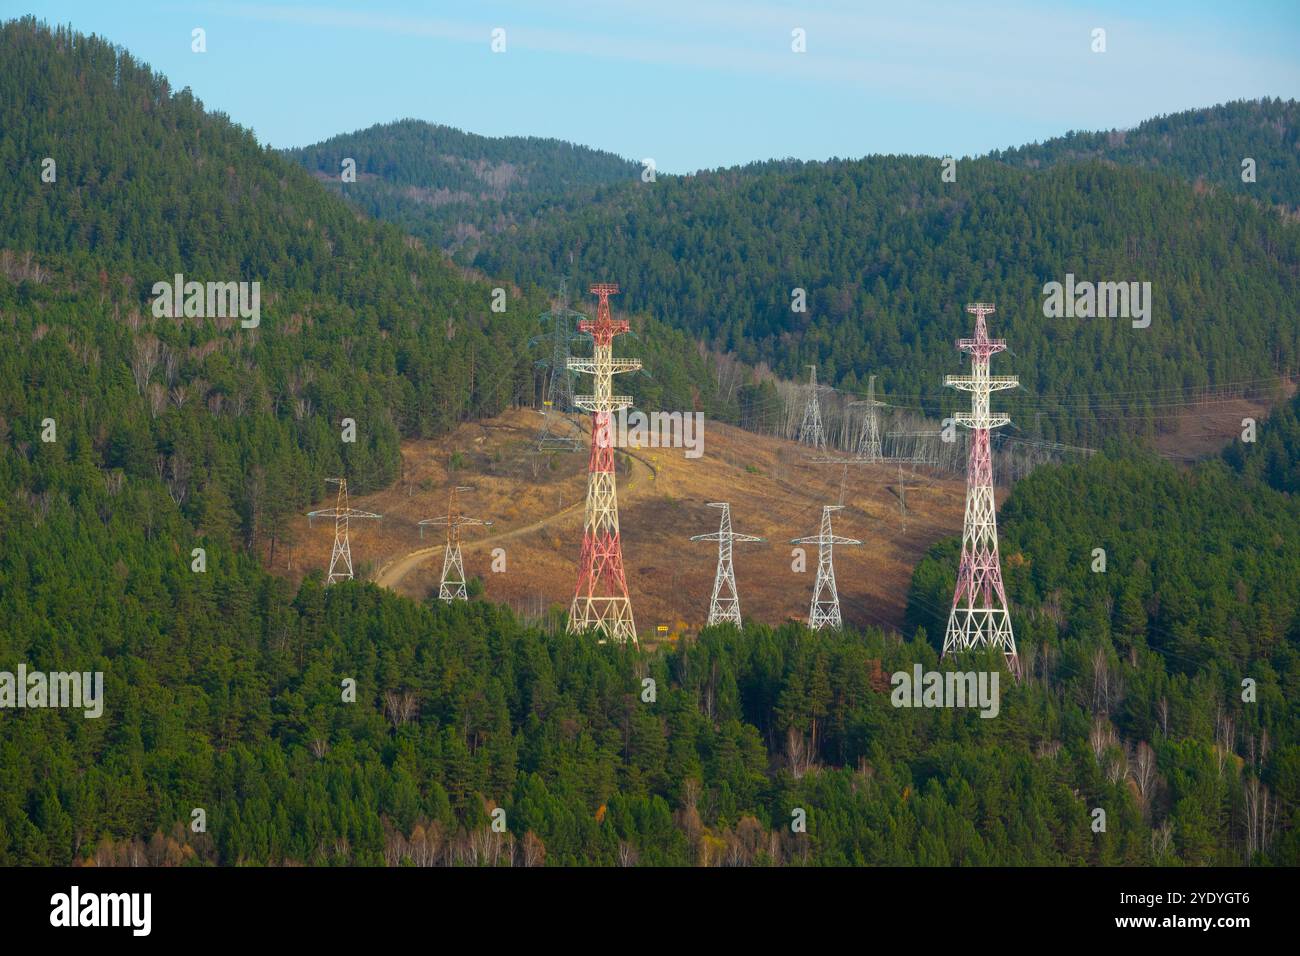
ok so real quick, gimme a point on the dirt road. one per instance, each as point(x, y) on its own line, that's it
point(391, 573)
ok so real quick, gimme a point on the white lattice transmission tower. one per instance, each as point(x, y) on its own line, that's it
point(451, 585)
point(811, 431)
point(724, 606)
point(824, 611)
point(343, 515)
point(869, 447)
point(600, 600)
point(979, 615)
point(559, 432)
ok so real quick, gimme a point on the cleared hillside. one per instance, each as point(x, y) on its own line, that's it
point(536, 503)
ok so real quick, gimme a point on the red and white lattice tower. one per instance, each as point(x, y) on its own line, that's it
point(979, 616)
point(600, 601)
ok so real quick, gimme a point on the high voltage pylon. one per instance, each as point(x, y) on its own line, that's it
point(979, 616)
point(452, 584)
point(342, 514)
point(559, 432)
point(871, 444)
point(869, 449)
point(600, 601)
point(725, 603)
point(811, 431)
point(825, 608)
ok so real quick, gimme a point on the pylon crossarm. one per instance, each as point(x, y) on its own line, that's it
point(346, 513)
point(617, 366)
point(594, 403)
point(973, 383)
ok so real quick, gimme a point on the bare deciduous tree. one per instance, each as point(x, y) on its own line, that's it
point(1143, 771)
point(1161, 839)
point(1100, 682)
point(157, 398)
point(798, 753)
point(534, 851)
point(1101, 737)
point(400, 708)
point(144, 359)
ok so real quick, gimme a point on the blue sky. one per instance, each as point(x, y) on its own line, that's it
point(696, 84)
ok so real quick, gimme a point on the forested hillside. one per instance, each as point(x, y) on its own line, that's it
point(128, 440)
point(224, 694)
point(888, 252)
point(1274, 456)
point(1203, 146)
point(435, 181)
point(357, 321)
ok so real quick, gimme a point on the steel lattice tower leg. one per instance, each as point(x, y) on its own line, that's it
point(452, 586)
point(824, 611)
point(600, 601)
point(979, 615)
point(341, 554)
point(724, 606)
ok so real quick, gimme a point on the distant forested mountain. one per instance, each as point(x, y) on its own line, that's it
point(887, 253)
point(437, 181)
point(1205, 146)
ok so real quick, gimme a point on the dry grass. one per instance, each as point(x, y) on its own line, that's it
point(774, 490)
